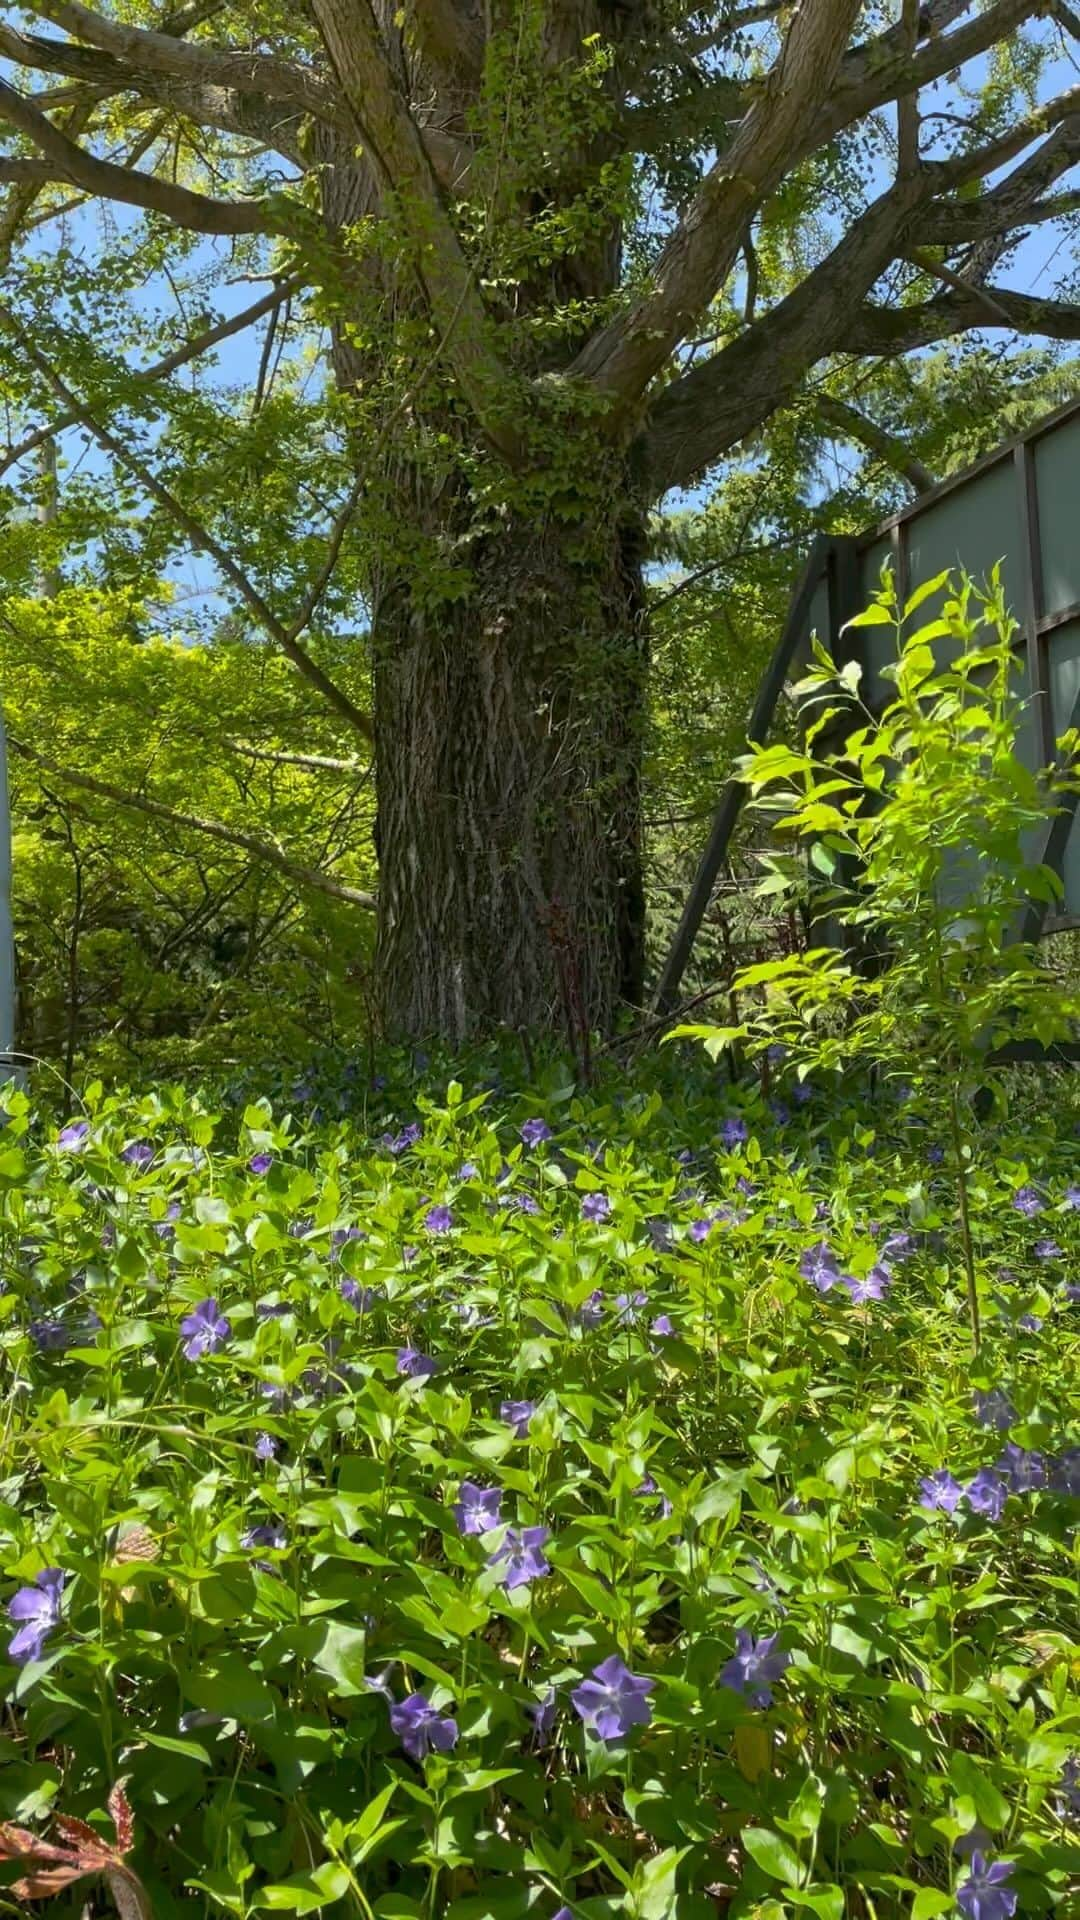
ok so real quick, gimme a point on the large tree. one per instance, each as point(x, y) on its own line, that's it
point(567, 254)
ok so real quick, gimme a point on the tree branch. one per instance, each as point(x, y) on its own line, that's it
point(199, 535)
point(65, 160)
point(856, 425)
point(395, 147)
point(311, 762)
point(262, 850)
point(624, 356)
point(172, 362)
point(876, 331)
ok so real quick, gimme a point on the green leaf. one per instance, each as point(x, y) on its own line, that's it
point(772, 1855)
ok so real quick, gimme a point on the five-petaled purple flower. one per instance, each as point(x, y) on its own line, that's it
point(873, 1287)
point(137, 1153)
point(270, 1535)
point(1047, 1250)
point(37, 1611)
point(535, 1132)
point(73, 1136)
point(414, 1364)
point(733, 1133)
point(421, 1728)
point(662, 1328)
point(521, 1556)
point(362, 1298)
point(994, 1409)
point(596, 1207)
point(1069, 1789)
point(985, 1894)
point(1028, 1201)
point(1065, 1473)
point(205, 1329)
point(517, 1414)
point(614, 1700)
point(266, 1446)
point(260, 1162)
point(629, 1305)
point(438, 1219)
point(987, 1493)
point(1025, 1471)
point(754, 1666)
point(941, 1492)
point(476, 1509)
point(818, 1265)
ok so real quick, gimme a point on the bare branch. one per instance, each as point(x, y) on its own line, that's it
point(393, 143)
point(890, 331)
point(311, 762)
point(199, 535)
point(72, 164)
point(262, 850)
point(172, 362)
point(624, 356)
point(856, 425)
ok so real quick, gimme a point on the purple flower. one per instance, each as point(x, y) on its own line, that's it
point(994, 1409)
point(414, 1364)
point(467, 1171)
point(470, 1315)
point(985, 1894)
point(754, 1666)
point(260, 1162)
point(362, 1298)
point(733, 1133)
point(542, 1716)
point(49, 1336)
point(205, 1329)
point(517, 1414)
point(701, 1229)
point(591, 1311)
point(398, 1143)
point(563, 1913)
point(941, 1493)
point(595, 1207)
point(1047, 1250)
point(1072, 1198)
point(897, 1247)
point(629, 1305)
point(802, 1092)
point(272, 1535)
point(137, 1153)
point(935, 1155)
point(614, 1700)
point(1068, 1804)
point(987, 1493)
point(266, 1446)
point(818, 1265)
point(1027, 1201)
point(1065, 1473)
point(477, 1508)
point(73, 1136)
point(1024, 1471)
point(780, 1111)
point(535, 1132)
point(165, 1228)
point(648, 1490)
point(273, 1310)
point(521, 1556)
point(1029, 1323)
point(662, 1328)
point(873, 1287)
point(37, 1611)
point(438, 1220)
point(422, 1728)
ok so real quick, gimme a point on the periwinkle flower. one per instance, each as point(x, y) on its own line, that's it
point(205, 1329)
point(73, 1136)
point(535, 1132)
point(987, 1493)
point(1028, 1201)
point(273, 1310)
point(49, 1336)
point(414, 1364)
point(421, 1728)
point(818, 1265)
point(935, 1154)
point(1068, 1803)
point(438, 1220)
point(137, 1153)
point(1072, 1199)
point(477, 1508)
point(467, 1171)
point(1065, 1473)
point(36, 1611)
point(662, 1328)
point(591, 1311)
point(166, 1228)
point(521, 1556)
point(260, 1163)
point(897, 1246)
point(542, 1715)
point(628, 1306)
point(993, 1409)
point(517, 1414)
point(596, 1207)
point(802, 1093)
point(986, 1894)
point(613, 1700)
point(271, 1534)
point(1047, 1250)
point(1025, 1471)
point(734, 1133)
point(754, 1667)
point(647, 1489)
point(266, 1446)
point(701, 1229)
point(354, 1295)
point(873, 1287)
point(941, 1492)
point(1029, 1323)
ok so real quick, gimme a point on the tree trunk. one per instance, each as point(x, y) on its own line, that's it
point(509, 727)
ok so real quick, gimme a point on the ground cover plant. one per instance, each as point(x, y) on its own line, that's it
point(442, 1498)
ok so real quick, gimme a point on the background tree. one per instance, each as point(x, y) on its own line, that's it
point(567, 258)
